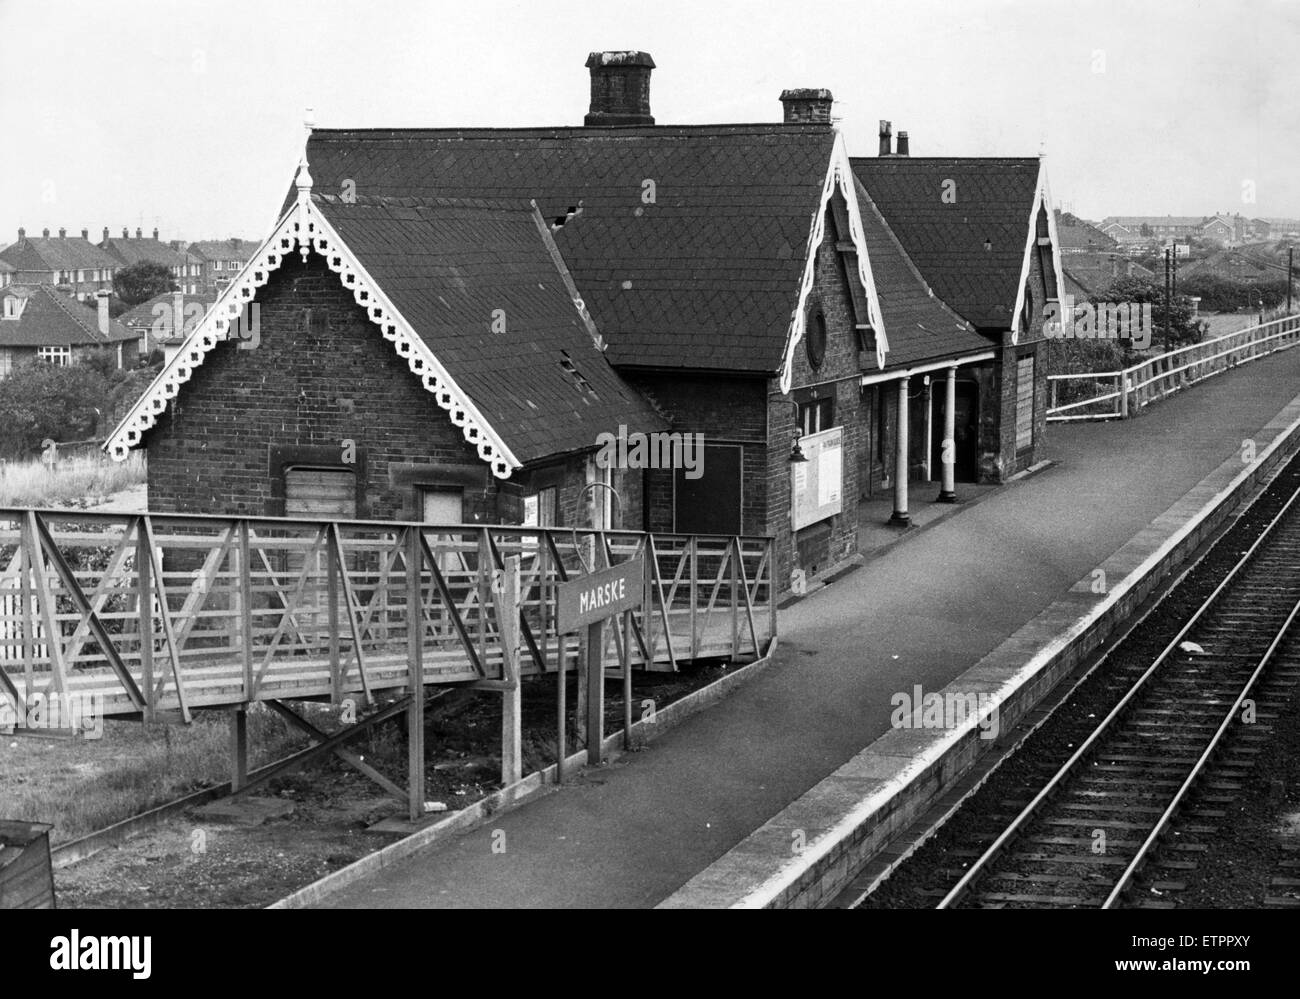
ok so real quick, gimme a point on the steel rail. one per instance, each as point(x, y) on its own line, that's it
point(1198, 769)
point(978, 867)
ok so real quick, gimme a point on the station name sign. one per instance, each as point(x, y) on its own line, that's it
point(600, 595)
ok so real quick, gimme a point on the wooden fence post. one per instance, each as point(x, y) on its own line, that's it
point(415, 675)
point(512, 764)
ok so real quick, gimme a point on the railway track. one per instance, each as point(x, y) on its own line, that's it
point(1178, 743)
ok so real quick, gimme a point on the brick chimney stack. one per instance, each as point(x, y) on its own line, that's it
point(22, 233)
point(886, 137)
point(105, 234)
point(807, 106)
point(620, 88)
point(85, 234)
point(902, 149)
point(101, 298)
point(139, 233)
point(63, 233)
point(155, 233)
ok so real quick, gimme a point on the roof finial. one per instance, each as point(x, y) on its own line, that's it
point(303, 183)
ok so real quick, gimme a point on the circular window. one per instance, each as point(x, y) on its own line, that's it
point(815, 337)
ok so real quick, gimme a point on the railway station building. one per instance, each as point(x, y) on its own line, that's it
point(480, 310)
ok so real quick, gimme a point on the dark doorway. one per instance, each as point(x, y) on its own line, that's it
point(966, 431)
point(709, 504)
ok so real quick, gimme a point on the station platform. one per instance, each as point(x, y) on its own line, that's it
point(922, 612)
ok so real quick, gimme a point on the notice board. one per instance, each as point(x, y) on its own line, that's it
point(818, 483)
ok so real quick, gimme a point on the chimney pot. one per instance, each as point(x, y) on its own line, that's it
point(126, 233)
point(85, 234)
point(101, 298)
point(22, 233)
point(620, 88)
point(807, 105)
point(63, 233)
point(885, 138)
point(45, 233)
point(155, 233)
point(105, 234)
point(902, 149)
point(139, 233)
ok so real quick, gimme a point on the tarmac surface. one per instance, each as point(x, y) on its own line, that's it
point(629, 834)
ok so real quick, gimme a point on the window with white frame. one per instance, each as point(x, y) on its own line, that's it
point(61, 356)
point(216, 265)
point(6, 362)
point(234, 265)
point(14, 306)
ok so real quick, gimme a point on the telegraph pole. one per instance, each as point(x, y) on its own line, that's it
point(1168, 294)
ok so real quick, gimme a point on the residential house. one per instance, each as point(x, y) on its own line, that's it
point(164, 320)
point(39, 322)
point(1080, 236)
point(221, 260)
point(185, 269)
point(73, 265)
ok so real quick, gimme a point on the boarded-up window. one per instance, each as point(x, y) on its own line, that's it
point(707, 501)
point(1024, 403)
point(317, 494)
point(320, 493)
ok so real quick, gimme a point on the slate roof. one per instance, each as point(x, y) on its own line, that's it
point(1078, 235)
point(56, 254)
point(52, 319)
point(143, 314)
point(223, 249)
point(947, 241)
point(448, 266)
point(921, 327)
point(133, 250)
point(704, 277)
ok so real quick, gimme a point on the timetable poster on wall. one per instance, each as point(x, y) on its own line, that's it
point(818, 482)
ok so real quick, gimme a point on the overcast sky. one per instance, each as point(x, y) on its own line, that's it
point(189, 115)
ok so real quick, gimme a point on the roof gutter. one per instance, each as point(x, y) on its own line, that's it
point(920, 369)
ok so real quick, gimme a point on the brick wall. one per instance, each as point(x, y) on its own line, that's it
point(820, 547)
point(321, 374)
point(726, 410)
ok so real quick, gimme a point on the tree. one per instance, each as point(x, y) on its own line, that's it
point(1175, 326)
point(141, 281)
point(43, 400)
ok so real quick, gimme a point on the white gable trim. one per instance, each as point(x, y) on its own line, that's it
point(838, 174)
point(304, 228)
point(1041, 197)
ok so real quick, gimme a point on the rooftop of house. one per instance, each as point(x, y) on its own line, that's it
point(223, 249)
point(159, 307)
point(134, 249)
point(56, 253)
point(480, 283)
point(50, 318)
point(970, 248)
point(1076, 234)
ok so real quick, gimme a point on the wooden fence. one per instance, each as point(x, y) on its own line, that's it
point(1117, 395)
point(161, 613)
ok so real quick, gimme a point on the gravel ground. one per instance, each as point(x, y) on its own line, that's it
point(189, 863)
